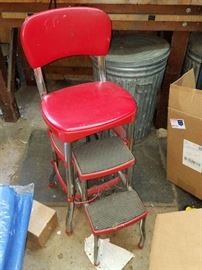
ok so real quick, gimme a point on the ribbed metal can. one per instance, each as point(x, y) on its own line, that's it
point(137, 62)
point(193, 57)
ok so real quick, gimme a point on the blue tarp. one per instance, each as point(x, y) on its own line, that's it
point(15, 209)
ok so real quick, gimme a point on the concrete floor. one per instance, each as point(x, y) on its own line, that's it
point(62, 251)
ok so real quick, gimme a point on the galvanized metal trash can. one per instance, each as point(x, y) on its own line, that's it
point(193, 58)
point(137, 62)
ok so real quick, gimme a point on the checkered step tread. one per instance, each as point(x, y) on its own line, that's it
point(101, 155)
point(114, 210)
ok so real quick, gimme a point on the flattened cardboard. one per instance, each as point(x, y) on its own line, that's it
point(185, 102)
point(42, 222)
point(177, 241)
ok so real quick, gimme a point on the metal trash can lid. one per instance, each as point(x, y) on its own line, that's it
point(137, 50)
point(195, 45)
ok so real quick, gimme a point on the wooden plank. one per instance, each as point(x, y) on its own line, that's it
point(157, 26)
point(172, 73)
point(137, 2)
point(126, 8)
point(11, 85)
point(131, 25)
point(3, 67)
point(12, 61)
point(178, 18)
point(151, 9)
point(124, 17)
point(13, 15)
point(9, 23)
point(7, 98)
point(3, 98)
point(156, 18)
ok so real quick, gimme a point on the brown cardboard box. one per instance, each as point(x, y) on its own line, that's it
point(177, 241)
point(42, 222)
point(184, 148)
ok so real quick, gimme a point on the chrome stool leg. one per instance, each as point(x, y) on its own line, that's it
point(130, 136)
point(84, 191)
point(96, 237)
point(70, 186)
point(96, 250)
point(142, 233)
point(69, 218)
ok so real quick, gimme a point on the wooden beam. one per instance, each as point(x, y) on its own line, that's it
point(131, 25)
point(123, 17)
point(7, 92)
point(172, 73)
point(157, 26)
point(8, 105)
point(90, 2)
point(148, 9)
point(9, 23)
point(156, 18)
point(125, 8)
point(12, 60)
point(3, 66)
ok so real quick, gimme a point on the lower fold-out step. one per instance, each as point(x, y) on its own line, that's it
point(115, 211)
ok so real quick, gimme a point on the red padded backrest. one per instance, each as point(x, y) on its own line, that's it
point(54, 34)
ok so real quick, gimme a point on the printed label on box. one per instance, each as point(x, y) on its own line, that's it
point(192, 155)
point(177, 123)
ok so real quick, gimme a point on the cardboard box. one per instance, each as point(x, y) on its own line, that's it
point(184, 145)
point(177, 241)
point(42, 222)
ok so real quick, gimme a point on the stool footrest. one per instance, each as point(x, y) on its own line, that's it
point(115, 211)
point(102, 155)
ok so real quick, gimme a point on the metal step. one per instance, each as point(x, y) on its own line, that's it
point(101, 155)
point(114, 211)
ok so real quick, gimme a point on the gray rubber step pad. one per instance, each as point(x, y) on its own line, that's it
point(115, 209)
point(100, 155)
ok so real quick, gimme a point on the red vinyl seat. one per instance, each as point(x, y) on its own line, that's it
point(86, 109)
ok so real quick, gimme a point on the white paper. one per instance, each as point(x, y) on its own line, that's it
point(111, 257)
point(177, 123)
point(192, 155)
